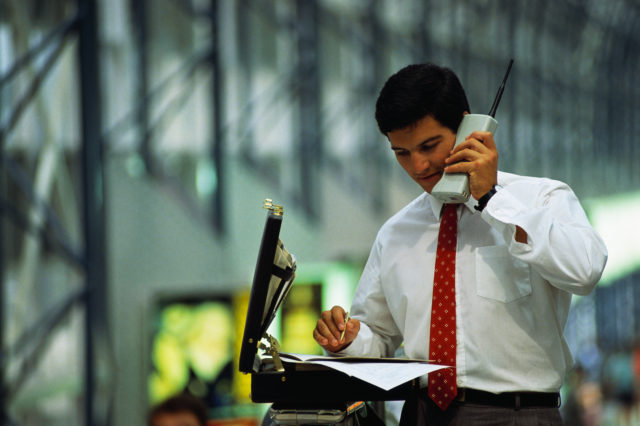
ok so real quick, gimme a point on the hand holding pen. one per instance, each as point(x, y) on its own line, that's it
point(335, 329)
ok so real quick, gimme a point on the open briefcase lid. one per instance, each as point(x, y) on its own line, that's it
point(272, 280)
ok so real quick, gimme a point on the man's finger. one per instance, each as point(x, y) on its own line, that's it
point(338, 315)
point(472, 144)
point(352, 329)
point(464, 155)
point(322, 341)
point(330, 344)
point(460, 167)
point(329, 319)
point(485, 138)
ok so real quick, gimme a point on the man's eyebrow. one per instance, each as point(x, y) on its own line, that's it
point(431, 139)
point(424, 142)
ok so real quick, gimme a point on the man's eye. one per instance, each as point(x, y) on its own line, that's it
point(400, 153)
point(427, 147)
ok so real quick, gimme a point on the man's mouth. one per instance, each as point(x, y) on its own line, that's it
point(430, 176)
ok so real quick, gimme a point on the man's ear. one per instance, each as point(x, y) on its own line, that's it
point(465, 113)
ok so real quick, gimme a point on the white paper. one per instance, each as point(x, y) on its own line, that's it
point(291, 357)
point(385, 374)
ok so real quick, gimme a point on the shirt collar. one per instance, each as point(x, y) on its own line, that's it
point(436, 205)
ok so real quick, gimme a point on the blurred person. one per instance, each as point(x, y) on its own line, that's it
point(572, 410)
point(590, 401)
point(179, 410)
point(522, 246)
point(617, 382)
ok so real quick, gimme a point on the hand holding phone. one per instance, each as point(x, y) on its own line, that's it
point(477, 157)
point(453, 188)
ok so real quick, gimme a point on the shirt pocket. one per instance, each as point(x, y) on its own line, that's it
point(500, 276)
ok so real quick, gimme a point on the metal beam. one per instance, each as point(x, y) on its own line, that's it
point(141, 58)
point(93, 204)
point(59, 32)
point(4, 415)
point(216, 130)
point(243, 29)
point(33, 341)
point(373, 148)
point(310, 147)
point(31, 91)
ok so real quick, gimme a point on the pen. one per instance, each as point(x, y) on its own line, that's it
point(346, 320)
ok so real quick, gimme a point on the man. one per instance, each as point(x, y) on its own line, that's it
point(517, 251)
point(179, 410)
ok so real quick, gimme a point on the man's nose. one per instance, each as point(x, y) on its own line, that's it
point(420, 162)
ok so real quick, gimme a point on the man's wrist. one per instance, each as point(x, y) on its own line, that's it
point(482, 201)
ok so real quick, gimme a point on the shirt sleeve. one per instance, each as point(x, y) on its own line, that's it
point(378, 336)
point(561, 244)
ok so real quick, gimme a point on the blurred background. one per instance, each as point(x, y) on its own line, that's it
point(140, 137)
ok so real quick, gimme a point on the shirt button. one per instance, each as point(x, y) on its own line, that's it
point(459, 382)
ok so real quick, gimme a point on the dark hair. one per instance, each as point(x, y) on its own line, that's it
point(180, 404)
point(417, 91)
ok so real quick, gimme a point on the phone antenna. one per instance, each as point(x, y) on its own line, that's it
point(496, 101)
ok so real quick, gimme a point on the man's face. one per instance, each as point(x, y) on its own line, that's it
point(421, 150)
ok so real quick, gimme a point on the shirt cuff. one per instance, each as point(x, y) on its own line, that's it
point(503, 212)
point(357, 347)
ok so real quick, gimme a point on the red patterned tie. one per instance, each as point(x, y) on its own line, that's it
point(442, 345)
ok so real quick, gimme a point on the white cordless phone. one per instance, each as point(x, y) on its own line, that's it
point(453, 188)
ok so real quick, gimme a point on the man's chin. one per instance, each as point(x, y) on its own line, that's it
point(429, 183)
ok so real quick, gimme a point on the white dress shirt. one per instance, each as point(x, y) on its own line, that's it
point(512, 299)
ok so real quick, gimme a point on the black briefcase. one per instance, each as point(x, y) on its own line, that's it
point(290, 385)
